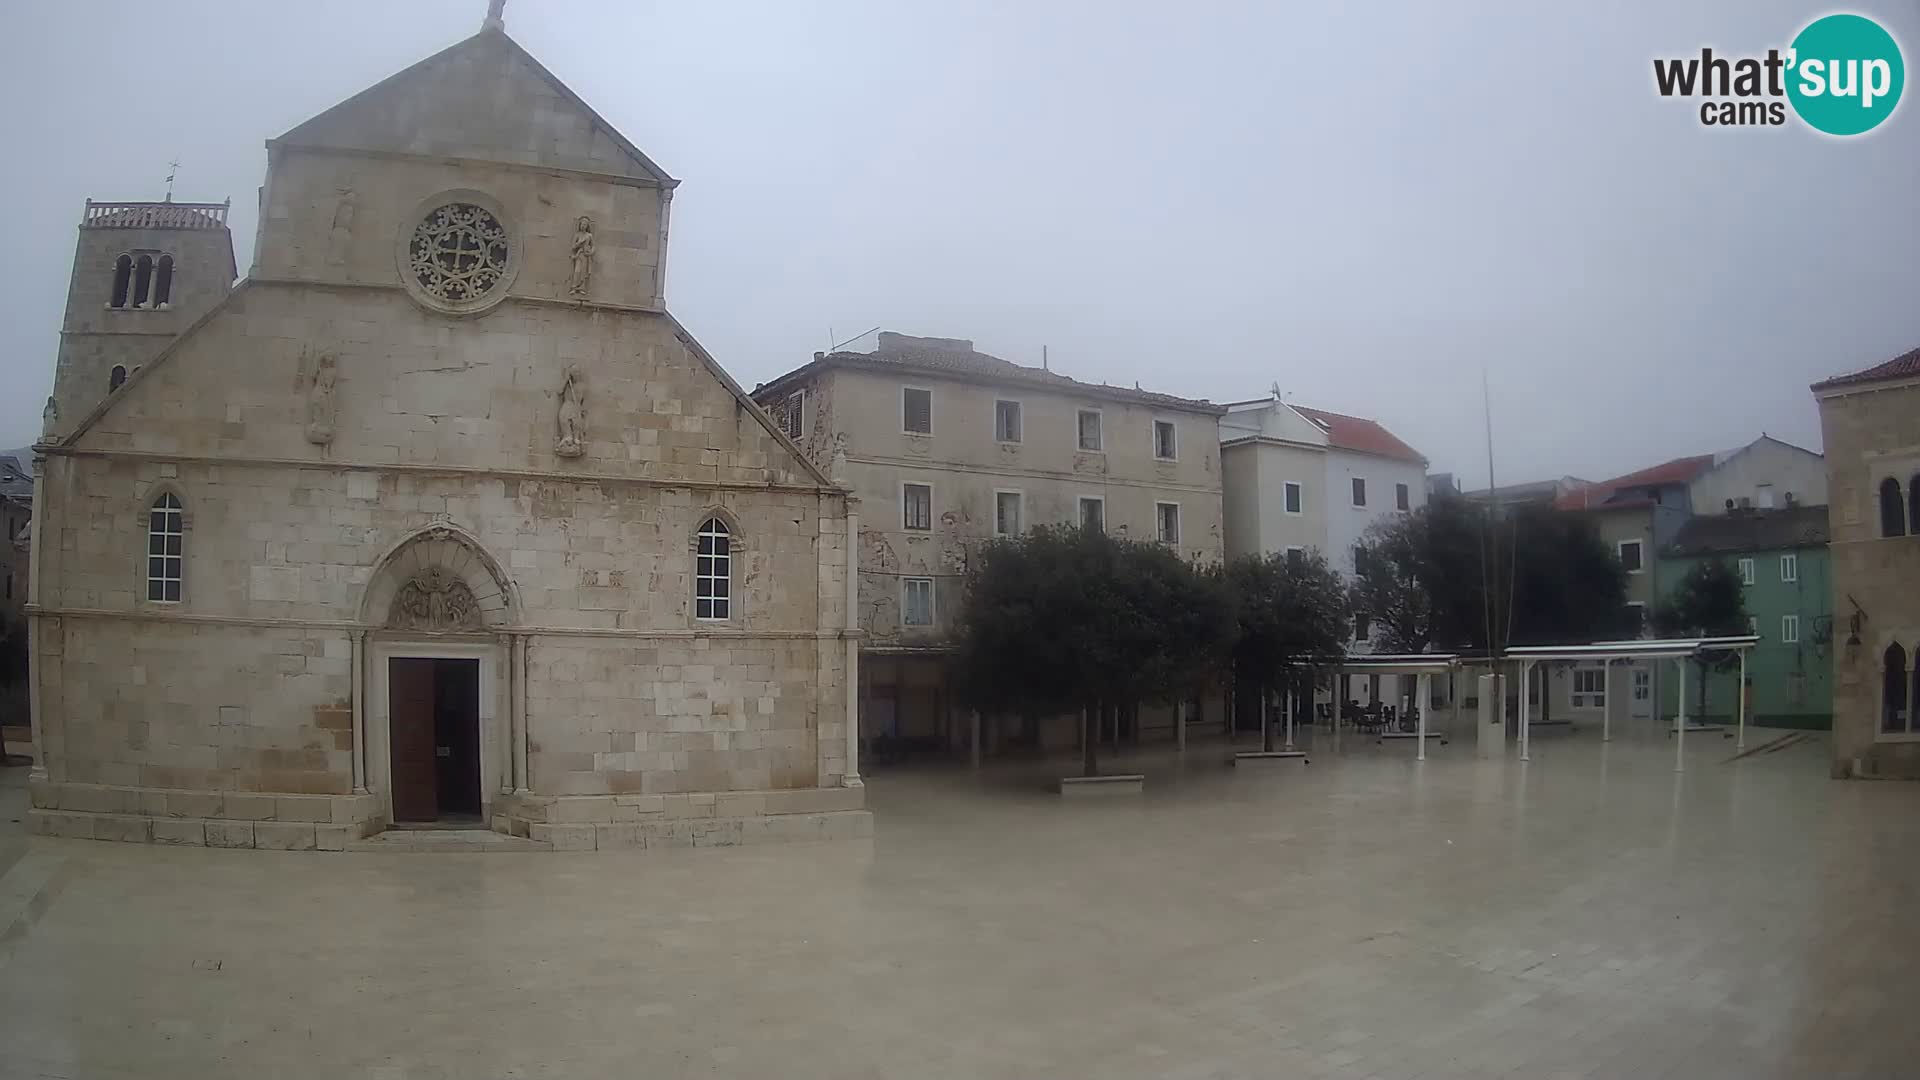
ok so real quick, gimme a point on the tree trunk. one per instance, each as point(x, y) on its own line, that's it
point(1089, 734)
point(1546, 694)
point(1700, 713)
point(1266, 721)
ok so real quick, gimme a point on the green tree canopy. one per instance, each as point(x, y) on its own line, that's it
point(1063, 619)
point(1290, 613)
point(1708, 601)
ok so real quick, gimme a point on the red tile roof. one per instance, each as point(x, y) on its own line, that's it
point(1610, 492)
point(1904, 366)
point(1358, 433)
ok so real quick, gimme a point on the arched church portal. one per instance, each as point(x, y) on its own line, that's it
point(438, 669)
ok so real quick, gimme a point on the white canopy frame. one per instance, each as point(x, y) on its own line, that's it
point(1423, 665)
point(1679, 650)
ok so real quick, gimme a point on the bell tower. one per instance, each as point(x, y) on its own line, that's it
point(143, 272)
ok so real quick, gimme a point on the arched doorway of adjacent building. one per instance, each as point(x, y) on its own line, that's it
point(438, 669)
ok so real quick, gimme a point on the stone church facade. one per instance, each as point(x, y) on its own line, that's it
point(437, 516)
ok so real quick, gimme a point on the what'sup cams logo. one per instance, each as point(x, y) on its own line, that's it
point(1842, 75)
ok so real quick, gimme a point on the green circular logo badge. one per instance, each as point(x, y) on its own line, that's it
point(1845, 74)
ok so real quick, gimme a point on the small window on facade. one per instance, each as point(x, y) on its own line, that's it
point(1589, 688)
point(1746, 571)
point(1789, 629)
point(916, 601)
point(916, 507)
point(1362, 626)
point(916, 411)
point(793, 415)
point(1093, 514)
point(1006, 421)
point(1630, 556)
point(1763, 496)
point(1292, 497)
point(163, 282)
point(1359, 558)
point(116, 377)
point(1296, 557)
point(1789, 568)
point(142, 280)
point(1007, 513)
point(1359, 491)
point(1402, 498)
point(1166, 443)
point(166, 535)
point(1168, 519)
point(1089, 422)
point(713, 571)
point(122, 281)
point(1892, 514)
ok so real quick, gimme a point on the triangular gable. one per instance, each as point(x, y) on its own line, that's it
point(129, 390)
point(484, 98)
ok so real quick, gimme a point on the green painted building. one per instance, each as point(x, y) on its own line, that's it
point(1781, 556)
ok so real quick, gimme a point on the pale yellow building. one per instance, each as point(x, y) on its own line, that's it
point(438, 517)
point(946, 447)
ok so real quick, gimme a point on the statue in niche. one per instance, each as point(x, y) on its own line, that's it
point(49, 416)
point(342, 230)
point(572, 419)
point(434, 601)
point(838, 472)
point(582, 277)
point(320, 401)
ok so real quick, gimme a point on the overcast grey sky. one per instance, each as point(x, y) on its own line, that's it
point(1365, 203)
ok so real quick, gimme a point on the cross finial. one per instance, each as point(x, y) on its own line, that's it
point(172, 167)
point(496, 15)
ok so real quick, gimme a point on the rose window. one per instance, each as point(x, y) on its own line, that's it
point(459, 253)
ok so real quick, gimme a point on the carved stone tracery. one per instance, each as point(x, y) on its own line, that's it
point(436, 602)
point(459, 253)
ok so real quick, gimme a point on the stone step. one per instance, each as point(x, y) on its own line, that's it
point(461, 840)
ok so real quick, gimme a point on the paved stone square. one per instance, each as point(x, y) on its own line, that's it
point(1588, 914)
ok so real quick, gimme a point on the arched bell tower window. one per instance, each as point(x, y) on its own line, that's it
point(1892, 514)
point(142, 280)
point(163, 282)
point(122, 281)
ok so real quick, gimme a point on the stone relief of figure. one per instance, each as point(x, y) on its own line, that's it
point(49, 416)
point(582, 277)
point(342, 232)
point(838, 472)
point(572, 419)
point(435, 601)
point(320, 401)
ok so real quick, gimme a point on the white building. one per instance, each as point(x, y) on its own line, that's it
point(1295, 477)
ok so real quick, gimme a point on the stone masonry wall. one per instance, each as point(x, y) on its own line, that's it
point(1870, 433)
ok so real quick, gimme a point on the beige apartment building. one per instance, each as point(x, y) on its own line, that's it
point(946, 447)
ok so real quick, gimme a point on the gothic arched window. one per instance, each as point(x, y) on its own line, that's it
point(713, 571)
point(1893, 691)
point(166, 534)
point(1891, 512)
point(122, 281)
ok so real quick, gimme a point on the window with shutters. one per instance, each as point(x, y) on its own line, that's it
point(793, 415)
point(1359, 491)
point(1790, 567)
point(1166, 442)
point(1167, 516)
point(1009, 513)
point(1089, 424)
point(1093, 513)
point(916, 601)
point(1006, 421)
point(916, 411)
point(916, 507)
